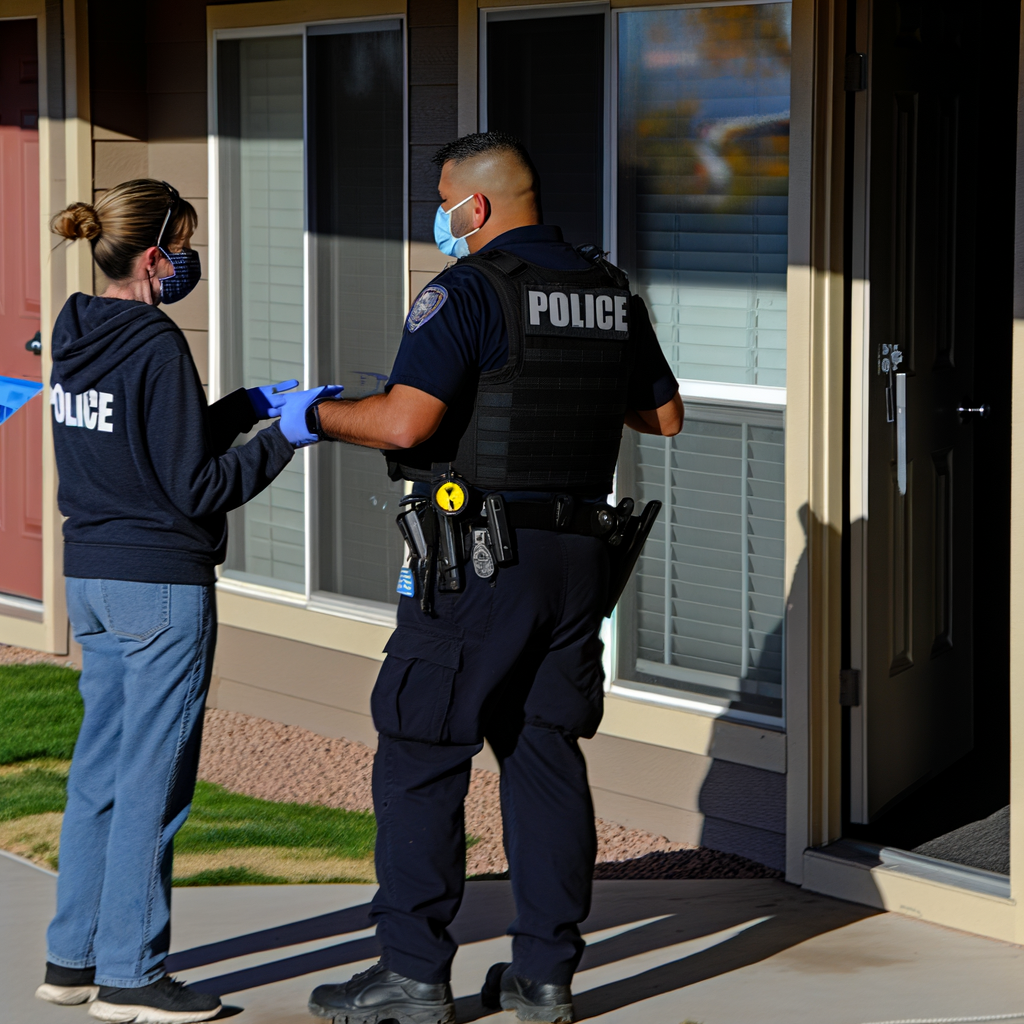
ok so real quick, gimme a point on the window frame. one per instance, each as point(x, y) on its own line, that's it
point(710, 393)
point(358, 609)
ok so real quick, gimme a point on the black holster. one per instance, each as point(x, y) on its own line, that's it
point(624, 547)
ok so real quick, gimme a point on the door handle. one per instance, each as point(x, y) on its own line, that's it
point(901, 432)
point(981, 411)
point(35, 344)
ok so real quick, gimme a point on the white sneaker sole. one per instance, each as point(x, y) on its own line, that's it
point(67, 995)
point(120, 1013)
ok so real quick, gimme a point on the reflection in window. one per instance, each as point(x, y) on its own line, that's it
point(703, 204)
point(530, 60)
point(703, 184)
point(262, 318)
point(311, 194)
point(355, 118)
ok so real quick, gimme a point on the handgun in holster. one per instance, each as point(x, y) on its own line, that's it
point(625, 535)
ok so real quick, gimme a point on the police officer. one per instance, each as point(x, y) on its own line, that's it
point(518, 366)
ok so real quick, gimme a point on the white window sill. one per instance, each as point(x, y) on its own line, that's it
point(695, 703)
point(754, 395)
point(691, 725)
point(372, 612)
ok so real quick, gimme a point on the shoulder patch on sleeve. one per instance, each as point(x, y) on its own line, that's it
point(427, 303)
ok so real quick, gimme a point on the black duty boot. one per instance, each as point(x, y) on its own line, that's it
point(164, 1001)
point(531, 1000)
point(380, 995)
point(68, 986)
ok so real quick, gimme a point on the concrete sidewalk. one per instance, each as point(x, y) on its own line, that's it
point(715, 952)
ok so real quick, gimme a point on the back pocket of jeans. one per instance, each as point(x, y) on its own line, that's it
point(136, 611)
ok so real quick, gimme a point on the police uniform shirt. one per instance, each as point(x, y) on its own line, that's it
point(456, 329)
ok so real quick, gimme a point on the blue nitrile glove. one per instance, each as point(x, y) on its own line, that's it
point(267, 400)
point(293, 412)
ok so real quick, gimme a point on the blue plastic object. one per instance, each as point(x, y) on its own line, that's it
point(14, 393)
point(406, 583)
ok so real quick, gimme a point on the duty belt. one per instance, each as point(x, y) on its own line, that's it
point(561, 515)
point(456, 527)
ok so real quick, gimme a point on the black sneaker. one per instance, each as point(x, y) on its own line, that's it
point(380, 995)
point(531, 1000)
point(164, 1001)
point(68, 986)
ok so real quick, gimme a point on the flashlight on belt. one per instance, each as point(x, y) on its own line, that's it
point(450, 499)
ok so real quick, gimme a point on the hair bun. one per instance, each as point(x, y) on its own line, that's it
point(79, 220)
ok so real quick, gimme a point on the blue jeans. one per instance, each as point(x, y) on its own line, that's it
point(147, 654)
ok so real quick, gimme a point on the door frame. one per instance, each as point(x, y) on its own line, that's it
point(1016, 528)
point(65, 174)
point(879, 885)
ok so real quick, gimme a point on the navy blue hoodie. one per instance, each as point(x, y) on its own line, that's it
point(147, 474)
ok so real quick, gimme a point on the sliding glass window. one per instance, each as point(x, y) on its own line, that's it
point(703, 184)
point(311, 196)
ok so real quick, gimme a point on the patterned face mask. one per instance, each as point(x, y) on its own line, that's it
point(186, 271)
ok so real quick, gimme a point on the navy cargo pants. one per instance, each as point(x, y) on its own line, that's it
point(520, 664)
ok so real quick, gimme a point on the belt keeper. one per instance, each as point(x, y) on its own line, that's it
point(565, 504)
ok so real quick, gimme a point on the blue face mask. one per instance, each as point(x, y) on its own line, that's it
point(446, 241)
point(186, 268)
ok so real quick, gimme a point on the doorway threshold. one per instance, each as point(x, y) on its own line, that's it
point(971, 899)
point(917, 865)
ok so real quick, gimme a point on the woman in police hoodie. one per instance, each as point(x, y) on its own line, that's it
point(147, 476)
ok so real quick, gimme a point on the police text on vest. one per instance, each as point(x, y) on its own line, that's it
point(586, 312)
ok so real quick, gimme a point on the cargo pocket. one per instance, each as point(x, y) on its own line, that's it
point(414, 687)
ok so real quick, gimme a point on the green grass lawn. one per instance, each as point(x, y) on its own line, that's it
point(35, 790)
point(41, 712)
point(228, 839)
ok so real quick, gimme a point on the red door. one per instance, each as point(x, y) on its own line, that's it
point(21, 436)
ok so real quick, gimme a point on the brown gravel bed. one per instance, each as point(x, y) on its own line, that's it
point(288, 763)
point(23, 656)
point(285, 762)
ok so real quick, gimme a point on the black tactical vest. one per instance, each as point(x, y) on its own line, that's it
point(551, 418)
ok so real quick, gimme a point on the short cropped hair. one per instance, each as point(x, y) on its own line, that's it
point(485, 142)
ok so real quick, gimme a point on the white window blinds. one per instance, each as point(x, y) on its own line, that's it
point(709, 586)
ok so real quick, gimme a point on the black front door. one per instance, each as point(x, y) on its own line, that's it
point(941, 114)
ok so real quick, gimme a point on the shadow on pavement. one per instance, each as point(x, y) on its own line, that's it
point(750, 946)
point(739, 923)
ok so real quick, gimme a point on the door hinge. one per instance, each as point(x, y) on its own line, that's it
point(855, 77)
point(849, 687)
